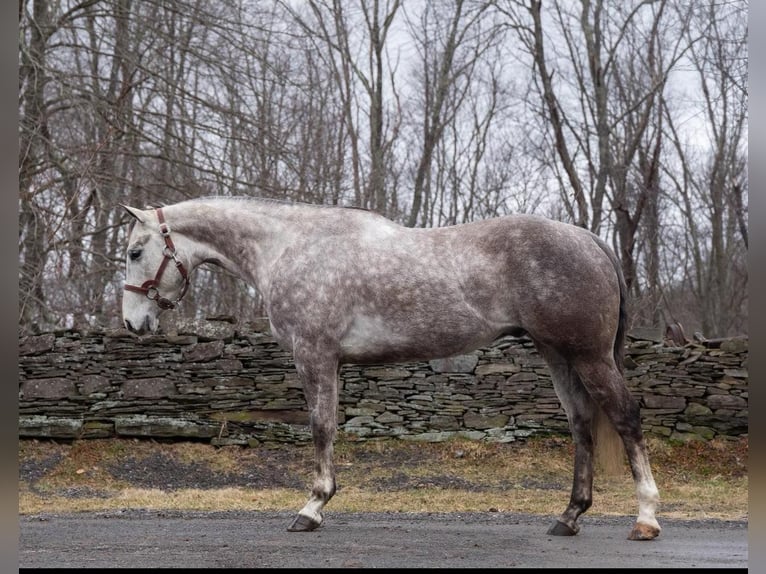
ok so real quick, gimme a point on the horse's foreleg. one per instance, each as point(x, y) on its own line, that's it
point(607, 385)
point(579, 408)
point(321, 389)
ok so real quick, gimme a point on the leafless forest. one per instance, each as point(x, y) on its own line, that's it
point(625, 117)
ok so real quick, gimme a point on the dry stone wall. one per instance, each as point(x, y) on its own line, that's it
point(231, 384)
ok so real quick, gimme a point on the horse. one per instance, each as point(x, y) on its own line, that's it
point(346, 285)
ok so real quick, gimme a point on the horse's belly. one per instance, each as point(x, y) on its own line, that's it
point(373, 339)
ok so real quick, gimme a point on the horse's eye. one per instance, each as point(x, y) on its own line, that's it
point(134, 254)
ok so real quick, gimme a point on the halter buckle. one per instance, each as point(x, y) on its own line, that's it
point(152, 293)
point(171, 254)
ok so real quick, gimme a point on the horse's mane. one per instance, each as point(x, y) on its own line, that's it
point(277, 201)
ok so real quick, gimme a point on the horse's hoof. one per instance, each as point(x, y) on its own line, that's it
point(643, 531)
point(558, 528)
point(303, 523)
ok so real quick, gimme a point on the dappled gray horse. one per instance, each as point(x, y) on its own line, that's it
point(344, 285)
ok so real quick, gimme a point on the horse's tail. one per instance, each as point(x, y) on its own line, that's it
point(609, 449)
point(622, 321)
point(609, 452)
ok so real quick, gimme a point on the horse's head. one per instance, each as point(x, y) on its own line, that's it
point(151, 282)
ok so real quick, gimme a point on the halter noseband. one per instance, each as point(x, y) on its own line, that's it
point(150, 288)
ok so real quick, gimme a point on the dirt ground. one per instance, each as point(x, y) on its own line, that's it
point(702, 480)
point(168, 466)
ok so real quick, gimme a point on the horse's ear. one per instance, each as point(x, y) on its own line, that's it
point(137, 213)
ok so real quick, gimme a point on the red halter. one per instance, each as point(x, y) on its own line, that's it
point(150, 288)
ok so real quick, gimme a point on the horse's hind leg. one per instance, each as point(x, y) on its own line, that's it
point(320, 385)
point(607, 386)
point(580, 410)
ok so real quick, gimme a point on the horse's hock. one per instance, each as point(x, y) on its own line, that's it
point(231, 384)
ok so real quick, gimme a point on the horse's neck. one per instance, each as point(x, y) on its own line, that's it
point(242, 238)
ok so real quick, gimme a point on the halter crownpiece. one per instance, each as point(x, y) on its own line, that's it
point(150, 287)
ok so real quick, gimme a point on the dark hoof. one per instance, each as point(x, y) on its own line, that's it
point(561, 529)
point(304, 524)
point(644, 532)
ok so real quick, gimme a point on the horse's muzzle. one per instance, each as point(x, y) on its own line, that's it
point(140, 329)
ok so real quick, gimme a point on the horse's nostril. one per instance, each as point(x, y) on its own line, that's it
point(140, 329)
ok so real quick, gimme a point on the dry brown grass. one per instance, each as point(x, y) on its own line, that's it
point(696, 480)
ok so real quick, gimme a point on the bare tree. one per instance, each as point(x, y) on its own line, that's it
point(432, 113)
point(453, 41)
point(361, 67)
point(604, 91)
point(710, 190)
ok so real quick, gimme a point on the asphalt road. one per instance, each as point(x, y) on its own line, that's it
point(151, 539)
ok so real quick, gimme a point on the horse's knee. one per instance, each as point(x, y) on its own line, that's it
point(323, 428)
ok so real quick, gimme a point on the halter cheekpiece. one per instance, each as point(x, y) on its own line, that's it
point(150, 288)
